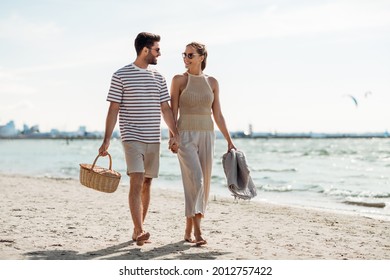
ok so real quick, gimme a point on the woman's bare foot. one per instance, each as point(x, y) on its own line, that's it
point(188, 238)
point(141, 238)
point(200, 242)
point(188, 230)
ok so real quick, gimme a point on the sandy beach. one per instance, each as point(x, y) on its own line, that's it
point(58, 219)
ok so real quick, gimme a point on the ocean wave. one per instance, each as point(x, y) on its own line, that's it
point(329, 152)
point(349, 193)
point(275, 170)
point(269, 188)
point(320, 152)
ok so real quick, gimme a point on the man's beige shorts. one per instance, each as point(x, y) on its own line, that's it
point(142, 158)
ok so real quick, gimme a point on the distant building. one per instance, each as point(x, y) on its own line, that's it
point(82, 131)
point(55, 132)
point(30, 130)
point(8, 130)
point(250, 130)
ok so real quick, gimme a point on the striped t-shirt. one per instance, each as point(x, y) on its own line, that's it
point(140, 93)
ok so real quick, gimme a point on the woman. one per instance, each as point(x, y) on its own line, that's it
point(194, 98)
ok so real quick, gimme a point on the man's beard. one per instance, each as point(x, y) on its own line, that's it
point(152, 60)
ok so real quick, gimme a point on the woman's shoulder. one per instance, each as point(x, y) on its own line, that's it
point(212, 81)
point(210, 78)
point(179, 78)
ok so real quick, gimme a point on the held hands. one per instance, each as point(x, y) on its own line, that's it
point(174, 143)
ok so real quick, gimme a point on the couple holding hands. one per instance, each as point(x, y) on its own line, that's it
point(139, 95)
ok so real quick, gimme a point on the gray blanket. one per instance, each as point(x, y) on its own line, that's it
point(238, 176)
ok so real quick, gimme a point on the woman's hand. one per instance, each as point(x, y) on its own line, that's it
point(173, 144)
point(231, 146)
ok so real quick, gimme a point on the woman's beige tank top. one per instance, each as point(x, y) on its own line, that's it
point(195, 105)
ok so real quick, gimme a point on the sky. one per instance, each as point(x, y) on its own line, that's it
point(282, 66)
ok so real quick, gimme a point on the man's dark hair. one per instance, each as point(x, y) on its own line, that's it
point(145, 39)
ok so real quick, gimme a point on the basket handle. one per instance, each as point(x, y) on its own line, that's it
point(94, 162)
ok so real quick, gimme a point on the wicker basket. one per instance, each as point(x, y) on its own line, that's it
point(99, 178)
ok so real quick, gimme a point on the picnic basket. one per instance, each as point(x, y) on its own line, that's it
point(99, 178)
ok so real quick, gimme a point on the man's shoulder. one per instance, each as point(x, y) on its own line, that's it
point(126, 68)
point(156, 74)
point(155, 71)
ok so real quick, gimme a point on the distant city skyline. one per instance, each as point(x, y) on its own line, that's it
point(10, 131)
point(282, 66)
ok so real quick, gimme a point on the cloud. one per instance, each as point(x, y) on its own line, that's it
point(11, 85)
point(238, 22)
point(329, 17)
point(15, 89)
point(18, 28)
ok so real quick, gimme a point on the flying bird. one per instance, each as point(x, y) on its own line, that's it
point(367, 93)
point(353, 99)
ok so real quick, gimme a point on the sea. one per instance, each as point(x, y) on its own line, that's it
point(343, 175)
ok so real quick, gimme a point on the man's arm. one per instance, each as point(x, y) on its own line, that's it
point(111, 119)
point(170, 121)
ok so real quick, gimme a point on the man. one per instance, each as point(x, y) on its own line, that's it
point(140, 95)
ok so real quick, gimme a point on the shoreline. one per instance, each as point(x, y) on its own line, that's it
point(162, 184)
point(59, 219)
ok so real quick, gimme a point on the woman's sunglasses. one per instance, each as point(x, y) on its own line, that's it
point(189, 55)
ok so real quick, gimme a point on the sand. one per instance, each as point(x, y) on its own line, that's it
point(59, 219)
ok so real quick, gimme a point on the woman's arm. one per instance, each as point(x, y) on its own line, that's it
point(175, 95)
point(217, 113)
